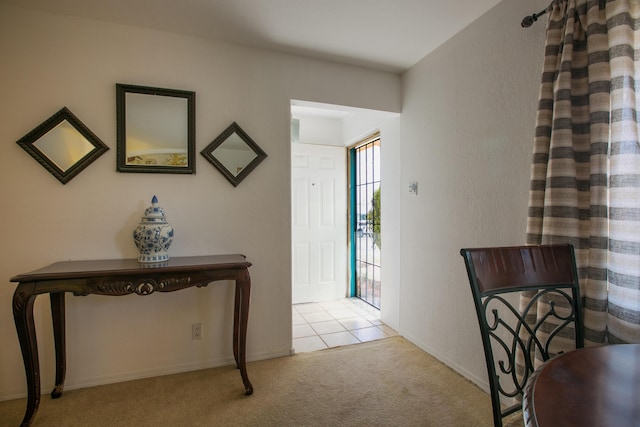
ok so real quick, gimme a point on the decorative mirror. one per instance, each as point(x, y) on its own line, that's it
point(155, 130)
point(63, 145)
point(234, 154)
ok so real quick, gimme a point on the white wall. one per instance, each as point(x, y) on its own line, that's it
point(50, 61)
point(320, 130)
point(467, 124)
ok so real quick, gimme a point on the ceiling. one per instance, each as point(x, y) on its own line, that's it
point(389, 35)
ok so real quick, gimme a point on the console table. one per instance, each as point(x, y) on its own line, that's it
point(119, 277)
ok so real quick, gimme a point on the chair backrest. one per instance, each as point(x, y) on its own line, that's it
point(548, 275)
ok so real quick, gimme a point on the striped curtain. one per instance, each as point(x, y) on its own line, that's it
point(585, 175)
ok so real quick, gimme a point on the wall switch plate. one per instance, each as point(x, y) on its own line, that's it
point(196, 331)
point(413, 189)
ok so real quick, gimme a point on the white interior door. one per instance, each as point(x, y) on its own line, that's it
point(319, 221)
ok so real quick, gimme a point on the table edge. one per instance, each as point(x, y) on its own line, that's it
point(131, 266)
point(528, 397)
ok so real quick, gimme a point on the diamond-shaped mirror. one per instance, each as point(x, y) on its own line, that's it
point(234, 154)
point(63, 145)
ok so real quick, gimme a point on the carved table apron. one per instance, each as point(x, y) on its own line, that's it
point(119, 277)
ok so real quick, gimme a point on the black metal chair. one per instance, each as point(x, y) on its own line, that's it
point(549, 276)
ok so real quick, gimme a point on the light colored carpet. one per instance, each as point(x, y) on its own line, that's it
point(390, 382)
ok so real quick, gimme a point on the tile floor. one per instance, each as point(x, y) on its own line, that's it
point(321, 325)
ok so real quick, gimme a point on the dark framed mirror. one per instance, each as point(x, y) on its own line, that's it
point(234, 154)
point(63, 145)
point(155, 129)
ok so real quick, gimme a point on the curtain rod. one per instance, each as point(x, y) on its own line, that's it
point(529, 20)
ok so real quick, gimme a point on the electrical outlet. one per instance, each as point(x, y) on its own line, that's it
point(196, 331)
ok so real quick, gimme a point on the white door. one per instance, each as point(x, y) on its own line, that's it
point(319, 221)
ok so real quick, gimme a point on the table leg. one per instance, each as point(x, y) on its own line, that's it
point(59, 336)
point(243, 293)
point(23, 299)
point(236, 324)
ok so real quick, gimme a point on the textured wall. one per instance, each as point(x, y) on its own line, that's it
point(467, 124)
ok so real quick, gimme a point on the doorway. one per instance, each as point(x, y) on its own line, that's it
point(364, 162)
point(326, 312)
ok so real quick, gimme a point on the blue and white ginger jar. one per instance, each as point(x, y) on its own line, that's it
point(153, 235)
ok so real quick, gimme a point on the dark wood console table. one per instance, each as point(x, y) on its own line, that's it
point(119, 277)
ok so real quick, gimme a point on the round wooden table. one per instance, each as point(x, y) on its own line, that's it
point(595, 386)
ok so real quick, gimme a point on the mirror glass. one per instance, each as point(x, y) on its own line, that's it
point(234, 154)
point(63, 145)
point(155, 129)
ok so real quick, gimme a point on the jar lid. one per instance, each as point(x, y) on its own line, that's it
point(154, 211)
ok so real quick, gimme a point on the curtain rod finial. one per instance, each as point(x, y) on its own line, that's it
point(528, 21)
